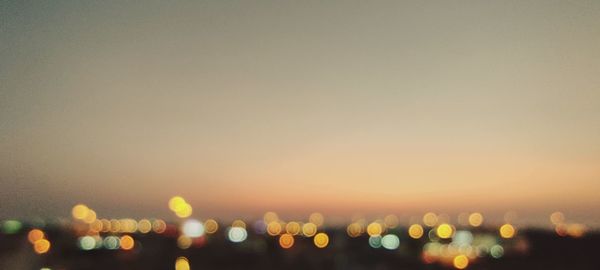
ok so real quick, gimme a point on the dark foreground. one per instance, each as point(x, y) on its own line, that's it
point(531, 249)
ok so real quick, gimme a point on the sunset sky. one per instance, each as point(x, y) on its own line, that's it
point(342, 107)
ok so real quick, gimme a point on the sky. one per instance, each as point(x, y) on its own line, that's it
point(342, 107)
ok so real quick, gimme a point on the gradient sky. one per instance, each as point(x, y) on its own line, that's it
point(338, 106)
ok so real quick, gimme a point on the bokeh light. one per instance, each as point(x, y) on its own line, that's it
point(35, 235)
point(180, 207)
point(90, 216)
point(182, 263)
point(293, 228)
point(192, 228)
point(79, 211)
point(144, 226)
point(354, 230)
point(211, 226)
point(159, 226)
point(460, 262)
point(274, 228)
point(475, 219)
point(115, 225)
point(96, 226)
point(375, 241)
point(105, 225)
point(112, 242)
point(286, 240)
point(41, 246)
point(507, 231)
point(11, 226)
point(309, 229)
point(430, 219)
point(184, 242)
point(415, 231)
point(390, 241)
point(317, 219)
point(374, 229)
point(321, 240)
point(237, 234)
point(497, 251)
point(127, 242)
point(185, 212)
point(87, 242)
point(176, 203)
point(444, 231)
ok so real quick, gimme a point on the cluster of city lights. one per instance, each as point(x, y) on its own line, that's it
point(193, 231)
point(287, 231)
point(119, 231)
point(446, 244)
point(456, 245)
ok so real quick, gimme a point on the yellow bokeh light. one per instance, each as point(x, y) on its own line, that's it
point(184, 242)
point(415, 231)
point(144, 226)
point(461, 262)
point(557, 218)
point(176, 203)
point(41, 246)
point(127, 242)
point(507, 231)
point(211, 226)
point(35, 235)
point(185, 211)
point(444, 231)
point(292, 228)
point(316, 218)
point(274, 228)
point(309, 229)
point(321, 240)
point(374, 229)
point(475, 219)
point(430, 219)
point(286, 240)
point(182, 263)
point(79, 211)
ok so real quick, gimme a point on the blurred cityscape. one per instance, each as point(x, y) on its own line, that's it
point(340, 134)
point(430, 241)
